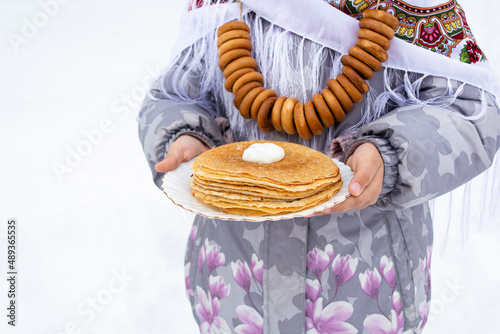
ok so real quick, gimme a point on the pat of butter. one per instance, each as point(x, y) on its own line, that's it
point(264, 153)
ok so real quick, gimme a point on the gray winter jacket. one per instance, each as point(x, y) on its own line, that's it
point(358, 271)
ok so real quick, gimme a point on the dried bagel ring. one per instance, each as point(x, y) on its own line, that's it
point(363, 70)
point(246, 78)
point(232, 55)
point(350, 88)
point(378, 27)
point(324, 112)
point(312, 118)
point(340, 94)
point(333, 104)
point(243, 91)
point(276, 113)
point(375, 50)
point(300, 121)
point(263, 116)
point(259, 99)
point(365, 57)
point(239, 63)
point(356, 79)
point(382, 16)
point(248, 101)
point(232, 34)
point(287, 115)
point(233, 25)
point(235, 76)
point(375, 37)
point(238, 43)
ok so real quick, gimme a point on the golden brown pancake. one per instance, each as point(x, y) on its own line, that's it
point(302, 179)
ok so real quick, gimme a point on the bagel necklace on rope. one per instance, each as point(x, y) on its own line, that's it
point(287, 113)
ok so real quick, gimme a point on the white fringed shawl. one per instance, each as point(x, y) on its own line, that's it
point(322, 23)
point(297, 22)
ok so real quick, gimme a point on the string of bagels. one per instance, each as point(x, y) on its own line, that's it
point(283, 113)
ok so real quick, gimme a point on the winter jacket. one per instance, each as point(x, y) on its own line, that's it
point(361, 271)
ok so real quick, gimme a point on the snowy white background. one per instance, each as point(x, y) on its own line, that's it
point(100, 248)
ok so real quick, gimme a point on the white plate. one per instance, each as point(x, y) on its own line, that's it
point(175, 185)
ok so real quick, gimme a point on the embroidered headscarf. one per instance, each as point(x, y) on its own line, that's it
point(432, 25)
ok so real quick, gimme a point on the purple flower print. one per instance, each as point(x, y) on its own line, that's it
point(192, 234)
point(423, 311)
point(214, 257)
point(257, 268)
point(207, 311)
point(201, 258)
point(318, 260)
point(330, 319)
point(243, 277)
point(387, 270)
point(423, 266)
point(252, 321)
point(313, 289)
point(218, 288)
point(425, 263)
point(379, 324)
point(187, 268)
point(396, 302)
point(370, 282)
point(344, 268)
point(425, 270)
point(242, 274)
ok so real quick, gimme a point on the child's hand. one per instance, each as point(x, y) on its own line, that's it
point(366, 185)
point(182, 149)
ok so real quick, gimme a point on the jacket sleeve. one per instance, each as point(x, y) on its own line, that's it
point(432, 148)
point(165, 116)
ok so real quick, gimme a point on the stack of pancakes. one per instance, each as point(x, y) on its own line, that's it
point(302, 179)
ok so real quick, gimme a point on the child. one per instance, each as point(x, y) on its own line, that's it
point(428, 125)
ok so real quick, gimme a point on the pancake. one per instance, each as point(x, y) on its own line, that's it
point(301, 165)
point(252, 190)
point(302, 179)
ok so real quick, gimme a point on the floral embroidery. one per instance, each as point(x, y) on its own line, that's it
point(442, 29)
point(193, 4)
point(471, 53)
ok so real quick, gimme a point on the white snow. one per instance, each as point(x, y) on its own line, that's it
point(100, 248)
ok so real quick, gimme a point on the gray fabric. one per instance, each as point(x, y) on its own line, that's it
point(162, 121)
point(427, 148)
